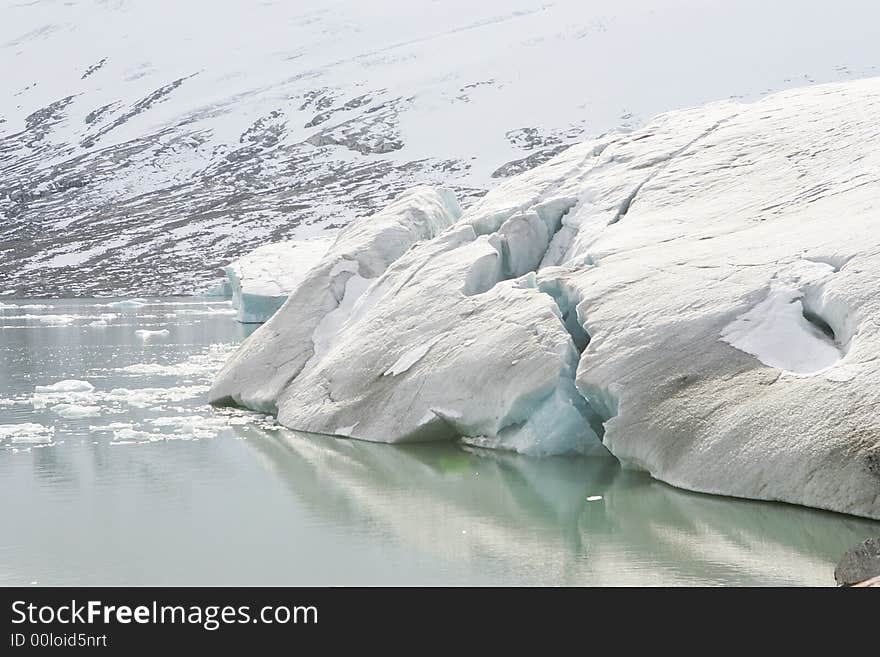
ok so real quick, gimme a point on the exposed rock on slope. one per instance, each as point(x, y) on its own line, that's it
point(139, 153)
point(701, 294)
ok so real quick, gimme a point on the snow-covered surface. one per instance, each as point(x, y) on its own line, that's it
point(699, 294)
point(144, 144)
point(778, 332)
point(410, 358)
point(260, 281)
point(332, 295)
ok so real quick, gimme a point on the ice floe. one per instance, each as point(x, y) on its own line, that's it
point(28, 433)
point(67, 385)
point(76, 410)
point(152, 334)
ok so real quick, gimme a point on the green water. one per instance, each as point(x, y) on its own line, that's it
point(152, 486)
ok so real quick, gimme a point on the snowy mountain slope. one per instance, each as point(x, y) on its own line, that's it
point(699, 296)
point(145, 143)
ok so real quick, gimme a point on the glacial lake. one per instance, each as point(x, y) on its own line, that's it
point(131, 479)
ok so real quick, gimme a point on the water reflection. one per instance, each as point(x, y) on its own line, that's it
point(529, 521)
point(183, 494)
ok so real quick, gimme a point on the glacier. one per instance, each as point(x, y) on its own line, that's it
point(260, 281)
point(697, 297)
point(328, 294)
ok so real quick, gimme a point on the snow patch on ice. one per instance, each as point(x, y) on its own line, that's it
point(345, 431)
point(411, 357)
point(782, 333)
point(328, 328)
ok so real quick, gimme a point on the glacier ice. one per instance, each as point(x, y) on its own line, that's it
point(782, 333)
point(697, 296)
point(260, 281)
point(316, 310)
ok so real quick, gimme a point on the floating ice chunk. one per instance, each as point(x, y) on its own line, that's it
point(197, 426)
point(199, 365)
point(208, 310)
point(69, 391)
point(147, 397)
point(146, 334)
point(128, 436)
point(55, 320)
point(72, 411)
point(26, 433)
point(594, 498)
point(112, 426)
point(24, 306)
point(67, 385)
point(51, 320)
point(128, 304)
point(260, 281)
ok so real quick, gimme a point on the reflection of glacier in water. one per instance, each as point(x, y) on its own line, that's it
point(557, 520)
point(116, 472)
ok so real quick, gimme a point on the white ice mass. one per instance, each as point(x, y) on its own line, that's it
point(331, 292)
point(26, 433)
point(260, 281)
point(699, 296)
point(68, 385)
point(150, 334)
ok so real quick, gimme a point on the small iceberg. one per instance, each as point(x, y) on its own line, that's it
point(146, 335)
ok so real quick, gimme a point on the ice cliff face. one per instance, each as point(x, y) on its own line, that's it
point(260, 281)
point(306, 326)
point(699, 296)
point(145, 144)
